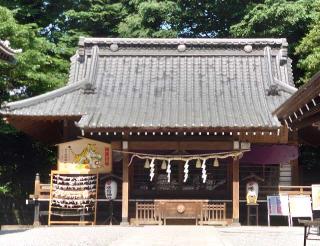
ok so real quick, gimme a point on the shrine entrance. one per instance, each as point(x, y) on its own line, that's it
point(195, 186)
point(183, 198)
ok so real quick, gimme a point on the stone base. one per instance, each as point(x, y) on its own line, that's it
point(235, 222)
point(124, 223)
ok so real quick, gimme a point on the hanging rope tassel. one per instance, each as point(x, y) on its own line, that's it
point(169, 170)
point(186, 171)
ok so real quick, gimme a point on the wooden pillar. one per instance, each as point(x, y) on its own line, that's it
point(125, 185)
point(295, 172)
point(229, 177)
point(235, 190)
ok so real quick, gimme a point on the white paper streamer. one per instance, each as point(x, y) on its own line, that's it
point(151, 169)
point(186, 171)
point(204, 172)
point(169, 170)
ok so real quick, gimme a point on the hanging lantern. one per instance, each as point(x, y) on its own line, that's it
point(216, 163)
point(198, 164)
point(164, 165)
point(147, 164)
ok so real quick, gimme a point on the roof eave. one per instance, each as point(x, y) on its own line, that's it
point(7, 107)
point(301, 97)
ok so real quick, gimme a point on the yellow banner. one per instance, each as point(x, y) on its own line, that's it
point(84, 156)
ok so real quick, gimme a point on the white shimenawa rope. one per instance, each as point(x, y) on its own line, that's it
point(221, 155)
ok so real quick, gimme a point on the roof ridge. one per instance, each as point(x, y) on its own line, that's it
point(190, 41)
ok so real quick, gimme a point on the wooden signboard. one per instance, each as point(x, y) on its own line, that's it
point(84, 156)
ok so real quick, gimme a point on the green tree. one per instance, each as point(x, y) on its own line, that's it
point(182, 18)
point(291, 19)
point(150, 19)
point(211, 18)
point(308, 49)
point(99, 18)
point(40, 67)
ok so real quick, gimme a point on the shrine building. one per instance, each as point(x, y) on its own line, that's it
point(188, 121)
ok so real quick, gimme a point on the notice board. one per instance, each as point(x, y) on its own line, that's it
point(278, 206)
point(300, 206)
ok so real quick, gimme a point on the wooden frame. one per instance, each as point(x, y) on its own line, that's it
point(50, 221)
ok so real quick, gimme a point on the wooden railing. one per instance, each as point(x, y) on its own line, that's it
point(295, 190)
point(41, 193)
point(149, 213)
point(213, 214)
point(146, 214)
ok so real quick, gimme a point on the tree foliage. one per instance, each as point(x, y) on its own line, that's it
point(291, 19)
point(182, 18)
point(308, 49)
point(40, 67)
point(150, 19)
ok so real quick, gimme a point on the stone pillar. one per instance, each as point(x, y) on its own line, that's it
point(36, 218)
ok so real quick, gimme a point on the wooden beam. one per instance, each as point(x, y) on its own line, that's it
point(305, 122)
point(125, 186)
point(116, 145)
point(235, 190)
point(206, 145)
point(183, 145)
point(266, 137)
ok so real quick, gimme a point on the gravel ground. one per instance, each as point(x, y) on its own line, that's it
point(267, 236)
point(156, 235)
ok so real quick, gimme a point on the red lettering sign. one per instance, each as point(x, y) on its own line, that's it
point(107, 156)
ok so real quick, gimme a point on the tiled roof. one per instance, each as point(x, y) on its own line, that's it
point(170, 83)
point(6, 52)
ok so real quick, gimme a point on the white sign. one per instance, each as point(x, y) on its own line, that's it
point(300, 206)
point(278, 205)
point(110, 190)
point(315, 197)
